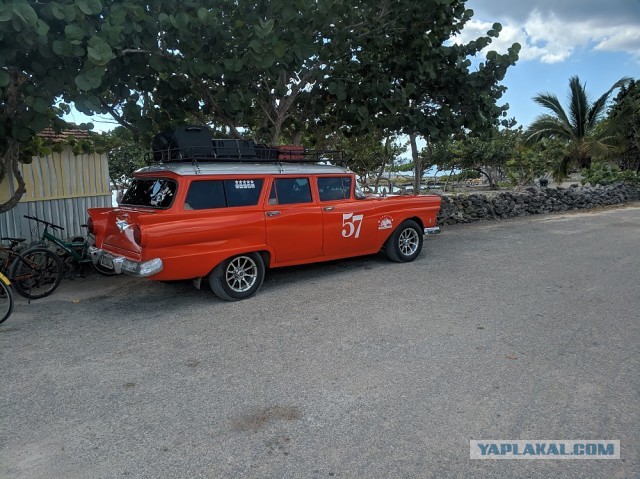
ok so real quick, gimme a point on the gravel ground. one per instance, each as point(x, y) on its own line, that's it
point(522, 329)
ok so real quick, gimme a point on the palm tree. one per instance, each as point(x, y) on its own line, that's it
point(583, 131)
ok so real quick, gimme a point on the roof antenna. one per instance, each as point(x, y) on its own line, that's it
point(196, 167)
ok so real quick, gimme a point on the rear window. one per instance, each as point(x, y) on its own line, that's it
point(208, 194)
point(150, 192)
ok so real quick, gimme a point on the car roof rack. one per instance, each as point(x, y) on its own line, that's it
point(194, 144)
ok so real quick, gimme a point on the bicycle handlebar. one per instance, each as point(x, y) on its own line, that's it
point(44, 222)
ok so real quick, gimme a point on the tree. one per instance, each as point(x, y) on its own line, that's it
point(487, 155)
point(124, 153)
point(41, 55)
point(231, 64)
point(369, 155)
point(407, 76)
point(276, 67)
point(581, 128)
point(627, 105)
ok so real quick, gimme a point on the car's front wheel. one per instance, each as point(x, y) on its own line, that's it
point(237, 278)
point(405, 243)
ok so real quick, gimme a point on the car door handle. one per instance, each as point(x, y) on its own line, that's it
point(272, 213)
point(329, 208)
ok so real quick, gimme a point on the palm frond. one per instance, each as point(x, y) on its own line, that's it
point(598, 107)
point(551, 102)
point(601, 150)
point(547, 126)
point(579, 105)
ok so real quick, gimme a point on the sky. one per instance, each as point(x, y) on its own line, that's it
point(598, 40)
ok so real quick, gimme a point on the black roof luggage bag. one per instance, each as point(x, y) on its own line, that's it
point(160, 146)
point(191, 142)
point(234, 149)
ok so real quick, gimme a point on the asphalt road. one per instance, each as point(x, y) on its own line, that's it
point(522, 329)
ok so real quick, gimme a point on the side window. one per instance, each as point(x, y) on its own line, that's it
point(204, 195)
point(331, 189)
point(243, 192)
point(288, 191)
point(208, 194)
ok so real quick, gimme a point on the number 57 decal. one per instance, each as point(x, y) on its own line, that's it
point(351, 225)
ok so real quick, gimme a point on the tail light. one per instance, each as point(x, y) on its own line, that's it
point(90, 226)
point(137, 235)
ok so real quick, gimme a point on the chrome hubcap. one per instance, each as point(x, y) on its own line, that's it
point(408, 242)
point(241, 274)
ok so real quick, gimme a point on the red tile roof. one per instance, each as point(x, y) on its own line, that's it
point(50, 135)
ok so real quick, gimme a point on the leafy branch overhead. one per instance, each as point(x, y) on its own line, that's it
point(271, 67)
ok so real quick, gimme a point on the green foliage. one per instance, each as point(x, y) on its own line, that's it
point(370, 153)
point(526, 165)
point(462, 176)
point(404, 74)
point(275, 67)
point(581, 128)
point(125, 155)
point(487, 156)
point(627, 105)
point(607, 174)
point(48, 51)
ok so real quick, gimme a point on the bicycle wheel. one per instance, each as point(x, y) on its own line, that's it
point(97, 267)
point(6, 301)
point(36, 273)
point(102, 270)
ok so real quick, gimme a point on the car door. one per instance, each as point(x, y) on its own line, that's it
point(293, 221)
point(349, 226)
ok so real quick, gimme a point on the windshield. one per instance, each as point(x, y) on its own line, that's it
point(150, 192)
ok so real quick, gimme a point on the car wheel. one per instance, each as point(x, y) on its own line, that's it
point(405, 243)
point(237, 278)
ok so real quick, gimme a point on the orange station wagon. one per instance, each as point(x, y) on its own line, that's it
point(231, 212)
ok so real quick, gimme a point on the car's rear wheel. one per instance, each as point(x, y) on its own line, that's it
point(237, 278)
point(405, 244)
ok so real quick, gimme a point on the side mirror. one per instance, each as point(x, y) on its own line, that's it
point(360, 196)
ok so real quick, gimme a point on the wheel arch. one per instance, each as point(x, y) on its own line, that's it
point(391, 231)
point(417, 220)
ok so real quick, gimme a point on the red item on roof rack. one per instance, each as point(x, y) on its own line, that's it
point(290, 152)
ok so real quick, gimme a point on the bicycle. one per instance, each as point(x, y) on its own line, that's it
point(33, 273)
point(75, 251)
point(6, 298)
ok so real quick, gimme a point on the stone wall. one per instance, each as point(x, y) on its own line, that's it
point(532, 201)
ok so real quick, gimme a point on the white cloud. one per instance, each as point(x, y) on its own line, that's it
point(552, 37)
point(625, 39)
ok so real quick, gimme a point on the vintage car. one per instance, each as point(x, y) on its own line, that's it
point(227, 217)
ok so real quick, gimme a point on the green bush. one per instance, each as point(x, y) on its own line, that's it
point(606, 174)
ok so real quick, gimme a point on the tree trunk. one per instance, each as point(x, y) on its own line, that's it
point(492, 184)
point(446, 183)
point(384, 163)
point(277, 129)
point(417, 164)
point(10, 160)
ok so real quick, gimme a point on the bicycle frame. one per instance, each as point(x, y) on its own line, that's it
point(6, 298)
point(76, 253)
point(68, 246)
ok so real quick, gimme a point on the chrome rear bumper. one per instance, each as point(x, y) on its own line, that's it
point(434, 230)
point(120, 264)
